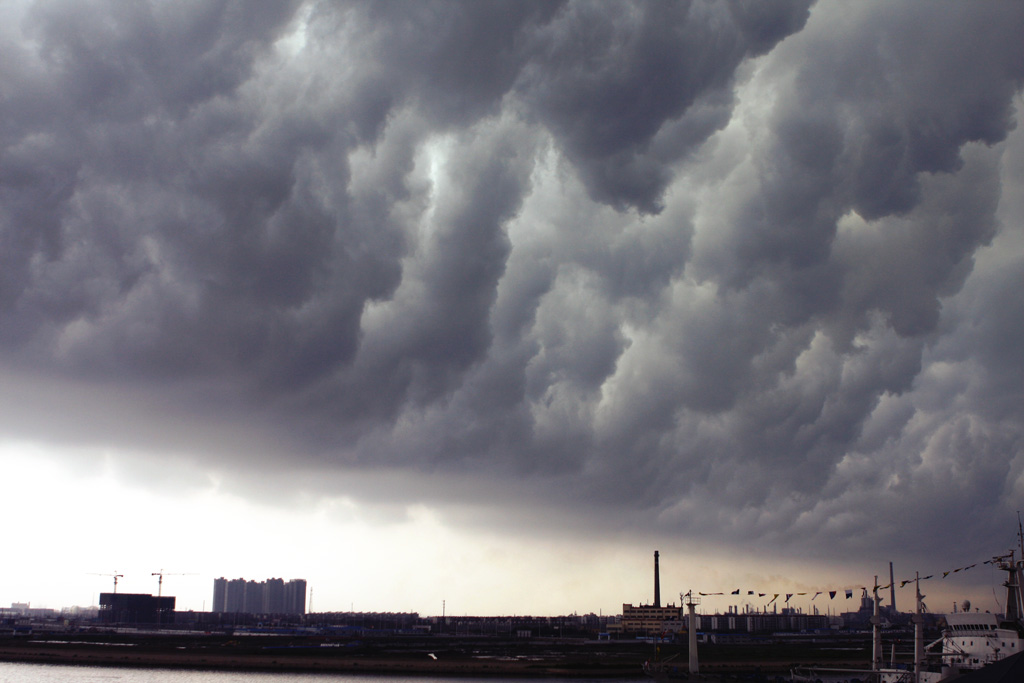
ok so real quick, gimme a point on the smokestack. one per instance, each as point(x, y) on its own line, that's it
point(892, 590)
point(657, 582)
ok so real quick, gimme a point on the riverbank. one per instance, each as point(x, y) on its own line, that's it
point(321, 660)
point(408, 657)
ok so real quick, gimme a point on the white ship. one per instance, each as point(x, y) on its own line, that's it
point(970, 640)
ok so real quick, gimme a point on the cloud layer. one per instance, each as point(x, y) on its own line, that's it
point(726, 270)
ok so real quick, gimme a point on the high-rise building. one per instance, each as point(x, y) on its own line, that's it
point(220, 595)
point(253, 597)
point(235, 600)
point(295, 596)
point(272, 596)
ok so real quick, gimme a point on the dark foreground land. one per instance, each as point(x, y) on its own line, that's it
point(424, 655)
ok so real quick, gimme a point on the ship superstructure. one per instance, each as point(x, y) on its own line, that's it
point(973, 640)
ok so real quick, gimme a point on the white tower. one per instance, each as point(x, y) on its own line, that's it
point(691, 626)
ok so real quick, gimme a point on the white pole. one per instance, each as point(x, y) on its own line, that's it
point(692, 627)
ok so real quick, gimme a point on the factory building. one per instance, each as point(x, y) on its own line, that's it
point(135, 608)
point(656, 620)
point(652, 619)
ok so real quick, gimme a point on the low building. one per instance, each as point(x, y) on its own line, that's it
point(650, 620)
point(135, 608)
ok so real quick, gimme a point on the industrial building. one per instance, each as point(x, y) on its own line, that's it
point(658, 620)
point(785, 620)
point(272, 596)
point(652, 619)
point(135, 608)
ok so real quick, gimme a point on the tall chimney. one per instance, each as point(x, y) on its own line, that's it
point(892, 590)
point(657, 582)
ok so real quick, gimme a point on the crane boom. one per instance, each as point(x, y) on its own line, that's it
point(116, 576)
point(160, 581)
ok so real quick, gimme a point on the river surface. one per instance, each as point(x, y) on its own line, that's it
point(59, 673)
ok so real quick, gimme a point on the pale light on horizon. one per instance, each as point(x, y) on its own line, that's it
point(76, 529)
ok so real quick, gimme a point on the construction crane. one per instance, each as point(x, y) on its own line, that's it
point(160, 582)
point(115, 575)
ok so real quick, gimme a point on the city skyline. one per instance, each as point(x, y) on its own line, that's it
point(270, 596)
point(758, 596)
point(476, 304)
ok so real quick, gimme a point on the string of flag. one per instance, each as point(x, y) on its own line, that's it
point(847, 591)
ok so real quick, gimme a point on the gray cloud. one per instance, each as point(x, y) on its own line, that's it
point(611, 79)
point(720, 269)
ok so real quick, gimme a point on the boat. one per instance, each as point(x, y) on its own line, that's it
point(970, 640)
point(664, 669)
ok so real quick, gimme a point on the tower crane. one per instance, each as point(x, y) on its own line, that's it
point(115, 575)
point(160, 581)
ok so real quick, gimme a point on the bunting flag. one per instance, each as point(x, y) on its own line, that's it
point(849, 591)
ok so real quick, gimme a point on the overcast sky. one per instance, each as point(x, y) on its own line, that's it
point(483, 302)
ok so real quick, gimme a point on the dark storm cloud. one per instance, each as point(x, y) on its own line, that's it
point(610, 77)
point(707, 268)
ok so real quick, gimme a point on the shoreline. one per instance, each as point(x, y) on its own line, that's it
point(403, 658)
point(313, 662)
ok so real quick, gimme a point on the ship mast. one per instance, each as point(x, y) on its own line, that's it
point(1020, 535)
point(1015, 570)
point(918, 620)
point(876, 633)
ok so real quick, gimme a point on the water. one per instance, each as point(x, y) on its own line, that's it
point(59, 673)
